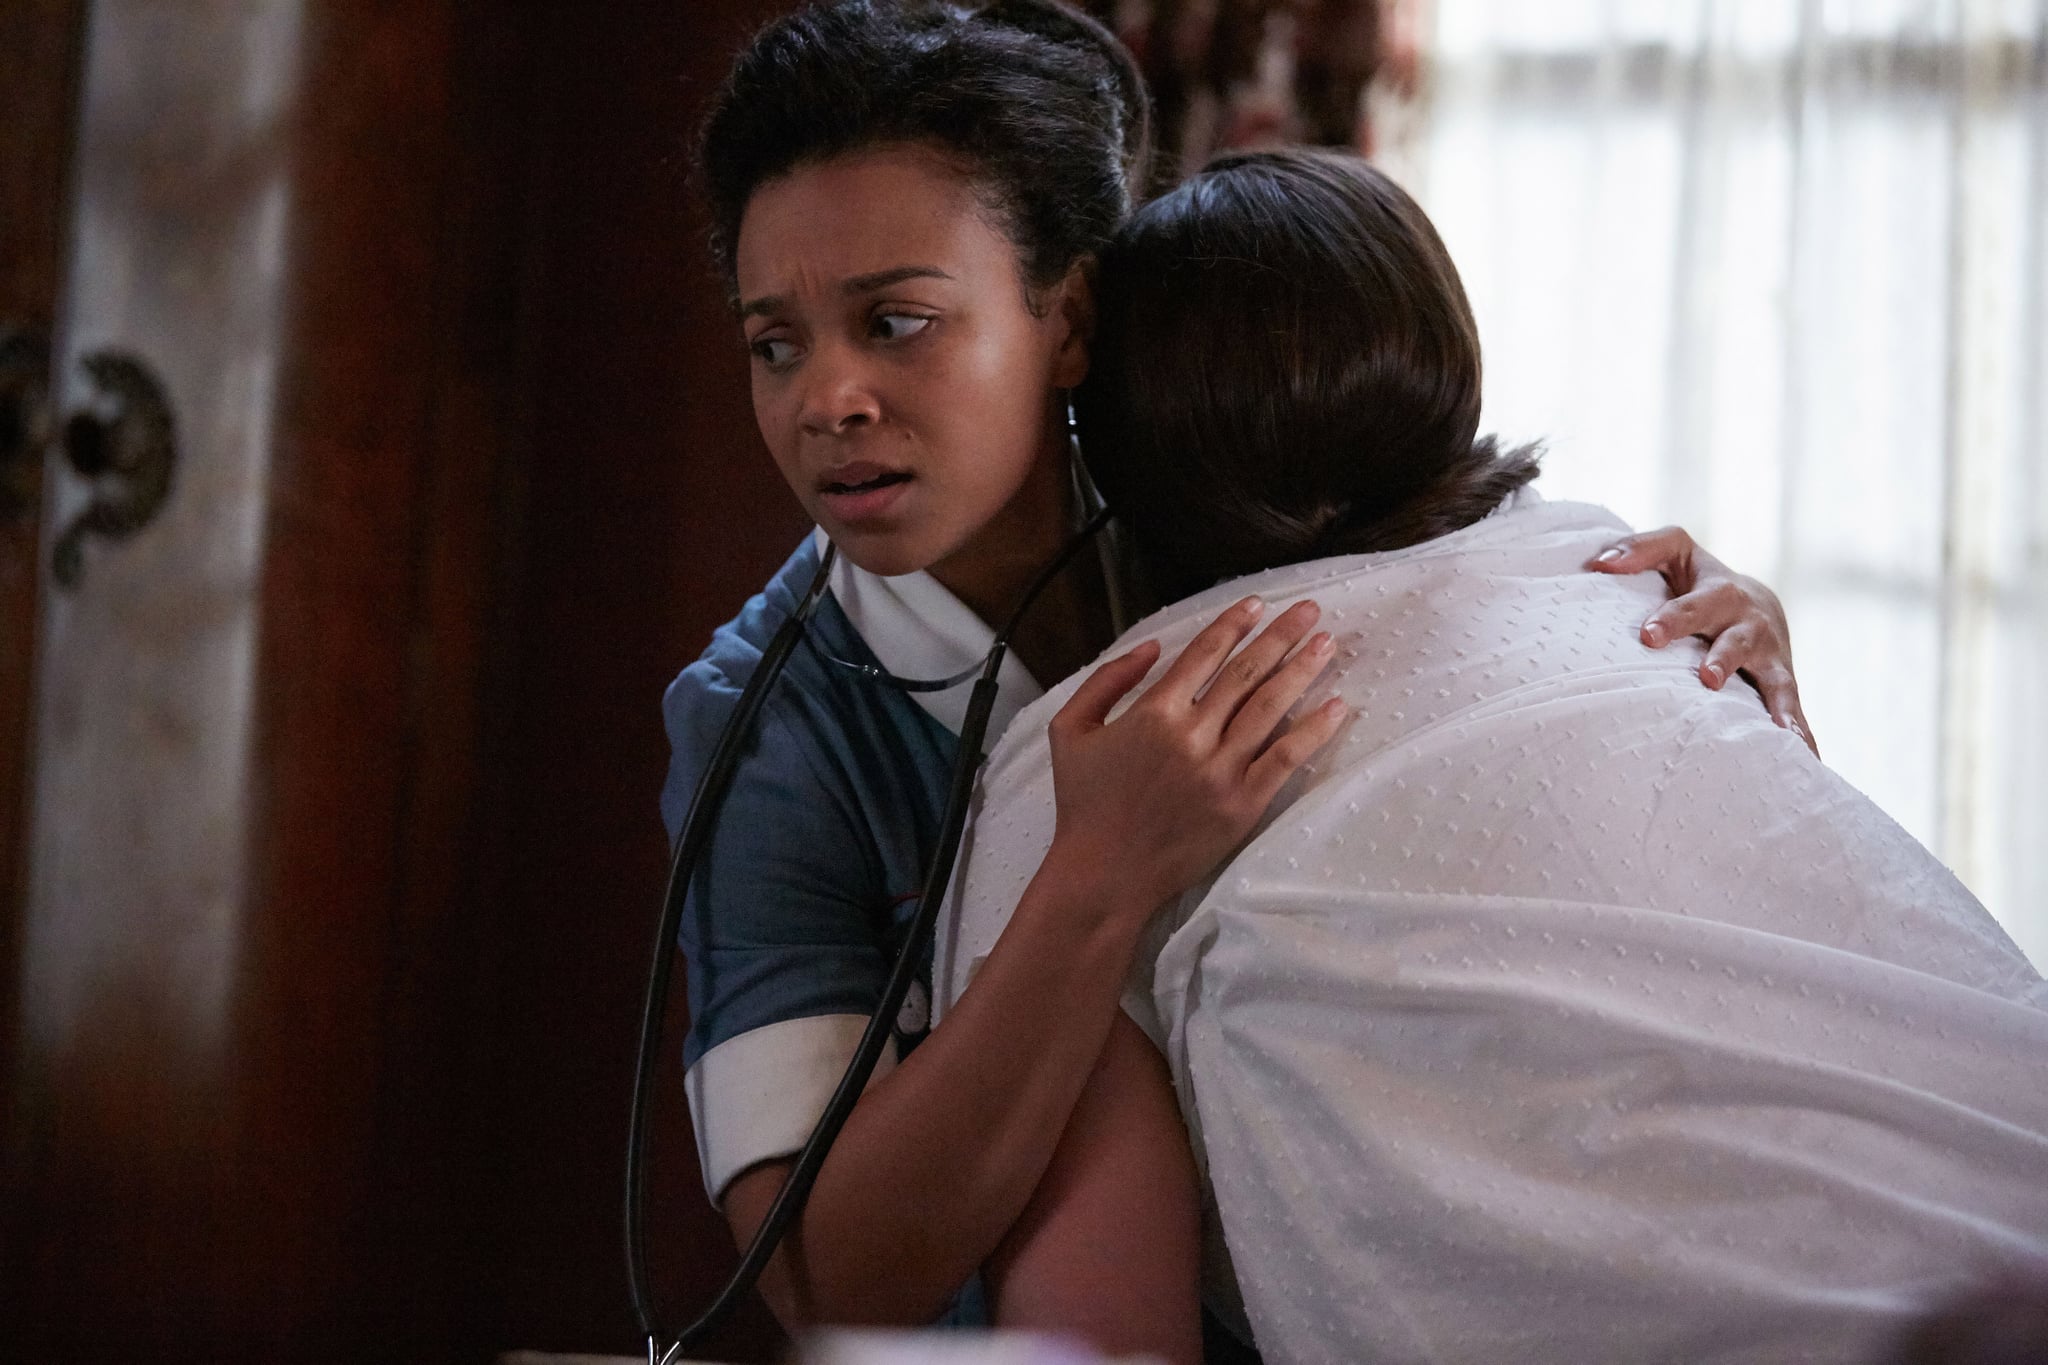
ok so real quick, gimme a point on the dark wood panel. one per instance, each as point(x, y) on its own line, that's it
point(424, 1290)
point(39, 45)
point(651, 514)
point(392, 414)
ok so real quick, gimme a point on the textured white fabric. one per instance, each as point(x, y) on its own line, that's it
point(1787, 286)
point(771, 1084)
point(1567, 1010)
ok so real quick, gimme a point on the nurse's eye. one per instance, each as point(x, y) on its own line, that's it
point(898, 326)
point(774, 352)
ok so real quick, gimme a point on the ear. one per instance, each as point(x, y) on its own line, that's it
point(1075, 310)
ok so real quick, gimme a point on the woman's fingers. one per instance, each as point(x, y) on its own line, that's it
point(1733, 650)
point(1098, 695)
point(1158, 784)
point(1201, 657)
point(1668, 550)
point(1742, 620)
point(1709, 611)
point(1748, 647)
point(1271, 769)
point(1251, 667)
point(1780, 691)
point(1253, 722)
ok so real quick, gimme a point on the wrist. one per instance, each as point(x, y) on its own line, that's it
point(1110, 887)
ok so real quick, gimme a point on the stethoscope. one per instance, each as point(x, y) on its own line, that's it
point(698, 825)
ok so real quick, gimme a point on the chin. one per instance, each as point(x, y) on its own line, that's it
point(884, 554)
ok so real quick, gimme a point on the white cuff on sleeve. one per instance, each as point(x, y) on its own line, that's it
point(757, 1096)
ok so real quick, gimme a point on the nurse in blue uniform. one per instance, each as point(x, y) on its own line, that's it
point(907, 202)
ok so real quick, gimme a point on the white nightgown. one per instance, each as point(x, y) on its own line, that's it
point(1566, 1010)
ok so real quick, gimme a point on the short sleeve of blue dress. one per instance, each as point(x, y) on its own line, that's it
point(797, 909)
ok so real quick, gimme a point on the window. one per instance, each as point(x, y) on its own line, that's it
point(1779, 271)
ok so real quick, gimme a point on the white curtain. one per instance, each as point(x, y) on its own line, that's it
point(1778, 270)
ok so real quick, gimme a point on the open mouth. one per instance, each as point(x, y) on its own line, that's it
point(869, 486)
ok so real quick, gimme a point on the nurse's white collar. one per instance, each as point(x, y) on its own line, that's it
point(916, 628)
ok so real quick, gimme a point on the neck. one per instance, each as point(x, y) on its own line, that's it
point(1069, 623)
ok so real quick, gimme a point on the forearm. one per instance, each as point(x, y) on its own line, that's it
point(1109, 1247)
point(941, 1156)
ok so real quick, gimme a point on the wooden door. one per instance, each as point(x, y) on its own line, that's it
point(328, 836)
point(39, 46)
point(251, 719)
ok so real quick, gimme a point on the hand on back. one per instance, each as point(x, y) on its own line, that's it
point(1160, 795)
point(1741, 620)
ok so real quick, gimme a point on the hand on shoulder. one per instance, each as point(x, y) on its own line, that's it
point(1149, 802)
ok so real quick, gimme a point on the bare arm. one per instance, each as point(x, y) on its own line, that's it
point(1109, 1248)
point(939, 1159)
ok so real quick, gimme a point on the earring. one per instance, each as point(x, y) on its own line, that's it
point(1084, 478)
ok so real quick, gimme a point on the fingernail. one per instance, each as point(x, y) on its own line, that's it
point(1608, 555)
point(1319, 643)
point(1653, 634)
point(1716, 675)
point(1252, 606)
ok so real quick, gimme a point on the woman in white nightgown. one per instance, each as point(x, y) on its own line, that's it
point(1562, 1010)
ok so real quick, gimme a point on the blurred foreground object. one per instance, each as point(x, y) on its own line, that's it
point(2006, 1324)
point(951, 1348)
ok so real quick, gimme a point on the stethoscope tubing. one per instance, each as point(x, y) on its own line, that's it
point(698, 825)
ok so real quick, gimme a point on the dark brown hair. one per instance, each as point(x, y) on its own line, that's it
point(1285, 368)
point(1042, 108)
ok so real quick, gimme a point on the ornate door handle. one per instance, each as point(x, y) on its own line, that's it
point(120, 440)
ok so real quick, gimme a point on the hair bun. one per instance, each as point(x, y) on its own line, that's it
point(1071, 27)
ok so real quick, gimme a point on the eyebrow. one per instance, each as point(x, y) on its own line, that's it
point(858, 284)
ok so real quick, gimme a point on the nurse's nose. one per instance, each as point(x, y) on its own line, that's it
point(838, 393)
